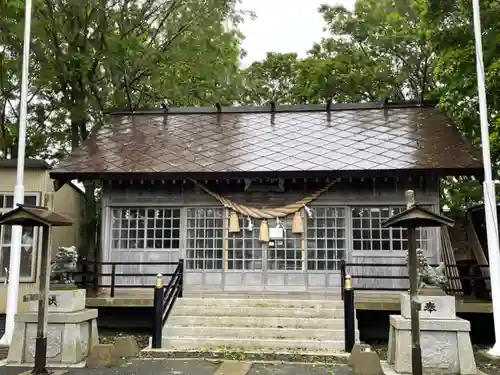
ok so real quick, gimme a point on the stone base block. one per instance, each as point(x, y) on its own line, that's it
point(432, 307)
point(63, 301)
point(101, 355)
point(356, 351)
point(368, 363)
point(446, 346)
point(70, 337)
point(126, 347)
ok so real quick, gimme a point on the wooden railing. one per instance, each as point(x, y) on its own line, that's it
point(469, 278)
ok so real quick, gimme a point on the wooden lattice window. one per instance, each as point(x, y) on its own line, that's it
point(205, 238)
point(285, 253)
point(245, 250)
point(326, 238)
point(145, 228)
point(369, 235)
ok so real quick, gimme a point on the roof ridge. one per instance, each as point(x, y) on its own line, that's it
point(273, 107)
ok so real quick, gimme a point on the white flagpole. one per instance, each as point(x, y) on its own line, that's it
point(490, 206)
point(15, 246)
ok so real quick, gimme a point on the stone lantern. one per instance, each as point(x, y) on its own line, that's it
point(446, 343)
point(21, 349)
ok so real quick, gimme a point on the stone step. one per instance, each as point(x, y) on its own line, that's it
point(259, 302)
point(258, 312)
point(183, 343)
point(324, 296)
point(254, 321)
point(254, 332)
point(4, 351)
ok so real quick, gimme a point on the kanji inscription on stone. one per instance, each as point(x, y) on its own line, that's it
point(430, 307)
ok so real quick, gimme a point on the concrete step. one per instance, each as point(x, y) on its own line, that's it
point(259, 302)
point(312, 312)
point(183, 343)
point(4, 351)
point(254, 321)
point(324, 296)
point(255, 332)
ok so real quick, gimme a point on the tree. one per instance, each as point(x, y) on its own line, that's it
point(379, 51)
point(455, 71)
point(108, 53)
point(271, 80)
point(125, 53)
point(382, 49)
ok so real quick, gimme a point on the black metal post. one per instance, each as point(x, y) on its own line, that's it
point(342, 278)
point(113, 279)
point(158, 312)
point(181, 281)
point(85, 271)
point(349, 315)
point(95, 278)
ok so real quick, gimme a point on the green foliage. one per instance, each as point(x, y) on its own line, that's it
point(96, 54)
point(396, 49)
point(87, 56)
point(454, 68)
point(379, 50)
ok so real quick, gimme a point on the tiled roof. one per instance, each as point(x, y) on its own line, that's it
point(352, 138)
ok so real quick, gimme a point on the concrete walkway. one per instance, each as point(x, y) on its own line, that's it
point(198, 367)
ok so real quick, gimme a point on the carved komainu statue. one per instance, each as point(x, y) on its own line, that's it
point(427, 275)
point(64, 265)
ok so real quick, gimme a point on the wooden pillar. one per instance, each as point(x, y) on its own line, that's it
point(41, 329)
point(416, 351)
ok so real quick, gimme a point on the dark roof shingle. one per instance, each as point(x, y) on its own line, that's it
point(397, 138)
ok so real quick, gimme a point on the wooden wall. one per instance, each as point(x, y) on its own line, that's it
point(347, 193)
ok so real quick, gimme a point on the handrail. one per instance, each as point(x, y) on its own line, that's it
point(466, 276)
point(95, 273)
point(164, 300)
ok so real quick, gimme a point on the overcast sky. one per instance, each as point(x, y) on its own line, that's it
point(283, 26)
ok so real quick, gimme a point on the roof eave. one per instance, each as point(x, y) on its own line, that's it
point(62, 175)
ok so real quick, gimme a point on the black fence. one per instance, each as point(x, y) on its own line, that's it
point(472, 281)
point(93, 274)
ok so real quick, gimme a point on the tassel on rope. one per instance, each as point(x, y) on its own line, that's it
point(309, 212)
point(250, 224)
point(297, 224)
point(234, 223)
point(264, 231)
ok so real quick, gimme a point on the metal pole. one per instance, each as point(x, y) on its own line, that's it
point(15, 246)
point(490, 207)
point(41, 328)
point(158, 313)
point(349, 316)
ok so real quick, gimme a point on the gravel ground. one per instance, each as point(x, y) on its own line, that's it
point(202, 367)
point(154, 367)
point(297, 369)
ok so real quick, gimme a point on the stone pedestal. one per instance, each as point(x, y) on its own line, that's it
point(444, 338)
point(71, 331)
